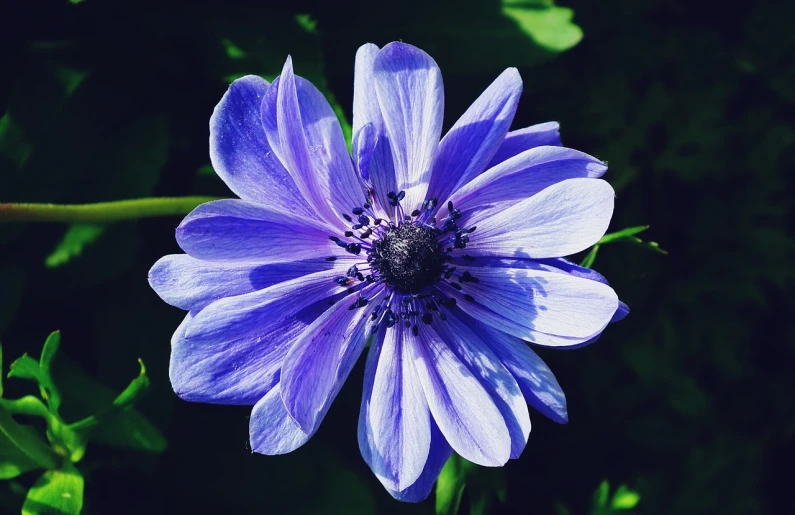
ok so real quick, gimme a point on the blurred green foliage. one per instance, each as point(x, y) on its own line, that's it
point(22, 449)
point(687, 399)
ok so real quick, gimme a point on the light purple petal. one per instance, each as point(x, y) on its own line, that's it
point(539, 385)
point(236, 371)
point(531, 303)
point(240, 153)
point(271, 429)
point(318, 364)
point(526, 174)
point(520, 140)
point(236, 230)
point(366, 111)
point(410, 93)
point(467, 339)
point(303, 130)
point(562, 219)
point(189, 283)
point(254, 314)
point(363, 146)
point(439, 454)
point(465, 412)
point(394, 420)
point(471, 143)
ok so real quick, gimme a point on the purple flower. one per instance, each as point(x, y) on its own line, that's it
point(444, 255)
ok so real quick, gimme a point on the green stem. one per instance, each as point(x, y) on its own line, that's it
point(101, 212)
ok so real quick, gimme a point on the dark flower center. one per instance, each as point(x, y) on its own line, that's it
point(409, 257)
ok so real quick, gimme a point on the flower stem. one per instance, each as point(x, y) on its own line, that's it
point(28, 442)
point(101, 212)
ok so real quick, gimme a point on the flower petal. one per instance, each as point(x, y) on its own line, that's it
point(467, 339)
point(318, 364)
point(254, 314)
point(439, 454)
point(562, 219)
point(241, 155)
point(409, 87)
point(236, 230)
point(518, 141)
point(271, 429)
point(238, 371)
point(191, 284)
point(304, 132)
point(526, 302)
point(526, 174)
point(471, 143)
point(465, 412)
point(539, 385)
point(366, 111)
point(394, 420)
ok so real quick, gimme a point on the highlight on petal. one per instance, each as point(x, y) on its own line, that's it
point(380, 174)
point(526, 174)
point(238, 371)
point(562, 219)
point(320, 361)
point(466, 413)
point(534, 304)
point(271, 429)
point(240, 153)
point(439, 453)
point(410, 93)
point(537, 382)
point(394, 419)
point(470, 144)
point(191, 284)
point(235, 230)
point(304, 132)
point(518, 141)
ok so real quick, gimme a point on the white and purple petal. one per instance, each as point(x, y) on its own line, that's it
point(472, 142)
point(321, 359)
point(236, 230)
point(241, 155)
point(304, 132)
point(408, 84)
point(394, 419)
point(518, 141)
point(562, 219)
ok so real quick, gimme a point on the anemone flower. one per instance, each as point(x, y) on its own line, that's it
point(443, 255)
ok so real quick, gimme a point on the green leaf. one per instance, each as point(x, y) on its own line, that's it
point(600, 496)
point(27, 441)
point(28, 368)
point(547, 25)
point(587, 262)
point(13, 462)
point(624, 498)
point(127, 427)
point(76, 238)
point(49, 351)
point(450, 485)
point(624, 235)
point(57, 491)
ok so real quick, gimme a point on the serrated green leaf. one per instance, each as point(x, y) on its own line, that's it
point(76, 238)
point(57, 491)
point(624, 498)
point(49, 351)
point(547, 25)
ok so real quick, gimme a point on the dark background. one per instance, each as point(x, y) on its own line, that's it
point(688, 401)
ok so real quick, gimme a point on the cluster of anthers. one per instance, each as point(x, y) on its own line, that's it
point(408, 258)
